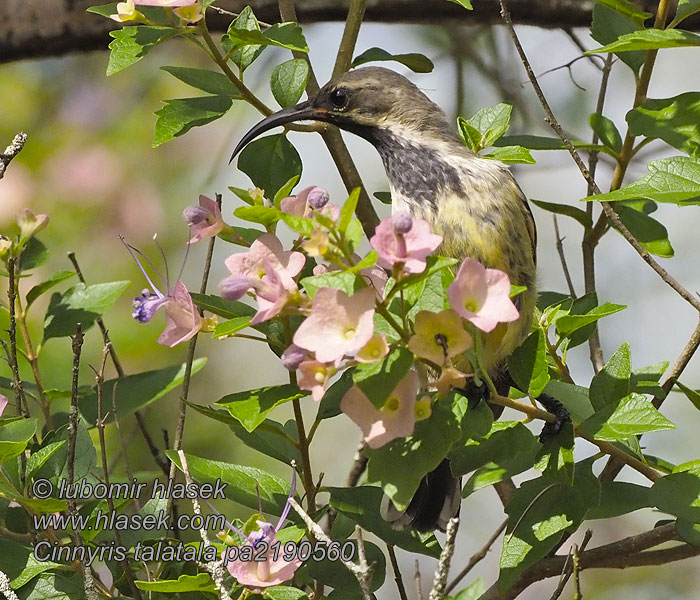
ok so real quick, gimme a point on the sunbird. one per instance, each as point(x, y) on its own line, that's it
point(474, 203)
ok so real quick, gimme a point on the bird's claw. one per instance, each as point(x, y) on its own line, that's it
point(556, 408)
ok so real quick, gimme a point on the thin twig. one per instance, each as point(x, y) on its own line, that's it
point(6, 588)
point(215, 569)
point(609, 212)
point(588, 249)
point(478, 557)
point(77, 345)
point(155, 452)
point(336, 146)
point(363, 574)
point(180, 427)
point(562, 257)
point(397, 572)
point(11, 151)
point(356, 12)
point(20, 398)
point(438, 591)
point(417, 581)
point(100, 425)
point(568, 570)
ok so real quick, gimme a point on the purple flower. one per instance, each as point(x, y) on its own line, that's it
point(204, 220)
point(3, 403)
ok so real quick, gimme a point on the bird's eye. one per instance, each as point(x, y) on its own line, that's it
point(339, 98)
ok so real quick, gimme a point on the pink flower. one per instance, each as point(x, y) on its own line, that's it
point(126, 11)
point(261, 573)
point(293, 356)
point(450, 378)
point(374, 350)
point(204, 220)
point(3, 403)
point(315, 376)
point(397, 418)
point(404, 241)
point(249, 270)
point(482, 295)
point(182, 320)
point(31, 224)
point(274, 294)
point(338, 325)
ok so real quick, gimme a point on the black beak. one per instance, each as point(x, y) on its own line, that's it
point(303, 111)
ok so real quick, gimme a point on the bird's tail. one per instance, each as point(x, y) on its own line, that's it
point(435, 502)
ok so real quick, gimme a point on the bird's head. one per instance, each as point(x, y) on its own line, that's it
point(366, 102)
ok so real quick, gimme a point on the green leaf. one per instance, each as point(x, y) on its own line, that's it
point(607, 132)
point(627, 9)
point(241, 482)
point(463, 3)
point(285, 35)
point(201, 582)
point(691, 394)
point(608, 25)
point(399, 466)
point(512, 155)
point(33, 255)
point(288, 81)
point(228, 309)
point(564, 209)
point(567, 324)
point(679, 493)
point(675, 180)
point(39, 458)
point(243, 56)
point(612, 383)
point(284, 592)
point(132, 43)
point(80, 304)
point(205, 80)
point(674, 120)
point(56, 468)
point(383, 197)
point(134, 392)
point(646, 380)
point(378, 380)
point(539, 514)
point(491, 123)
point(330, 403)
point(230, 327)
point(650, 39)
point(264, 215)
point(285, 191)
point(44, 286)
point(178, 116)
point(528, 364)
point(333, 573)
point(433, 265)
point(619, 498)
point(252, 407)
point(556, 456)
point(14, 437)
point(20, 565)
point(686, 8)
point(651, 234)
point(538, 142)
point(361, 504)
point(418, 63)
point(473, 591)
point(270, 162)
point(689, 532)
point(341, 280)
point(507, 449)
point(632, 415)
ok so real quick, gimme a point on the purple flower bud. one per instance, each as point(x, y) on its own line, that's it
point(317, 198)
point(146, 305)
point(236, 286)
point(293, 356)
point(194, 215)
point(401, 223)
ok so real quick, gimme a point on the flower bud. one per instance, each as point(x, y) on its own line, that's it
point(293, 356)
point(195, 215)
point(5, 245)
point(317, 198)
point(30, 224)
point(401, 223)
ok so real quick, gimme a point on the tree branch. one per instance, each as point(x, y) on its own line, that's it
point(11, 151)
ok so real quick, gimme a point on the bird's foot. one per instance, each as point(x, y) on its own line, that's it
point(562, 415)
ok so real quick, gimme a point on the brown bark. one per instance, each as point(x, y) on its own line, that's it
point(40, 28)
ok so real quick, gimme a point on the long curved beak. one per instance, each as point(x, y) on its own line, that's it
point(303, 111)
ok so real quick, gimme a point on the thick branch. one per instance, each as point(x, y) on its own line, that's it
point(37, 28)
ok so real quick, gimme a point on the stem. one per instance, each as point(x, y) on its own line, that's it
point(356, 12)
point(20, 398)
point(397, 573)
